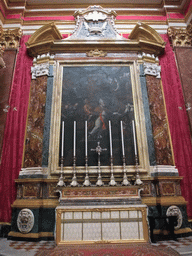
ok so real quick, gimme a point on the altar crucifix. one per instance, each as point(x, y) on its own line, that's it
point(99, 150)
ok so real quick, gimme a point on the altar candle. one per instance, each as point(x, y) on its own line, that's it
point(122, 139)
point(85, 138)
point(110, 138)
point(74, 140)
point(134, 137)
point(62, 144)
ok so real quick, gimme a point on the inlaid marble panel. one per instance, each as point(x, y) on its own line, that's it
point(35, 123)
point(159, 122)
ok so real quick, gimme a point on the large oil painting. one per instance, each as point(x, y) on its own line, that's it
point(97, 94)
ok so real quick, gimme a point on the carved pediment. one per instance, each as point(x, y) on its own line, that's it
point(44, 37)
point(147, 36)
point(95, 29)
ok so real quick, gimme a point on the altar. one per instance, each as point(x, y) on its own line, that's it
point(105, 214)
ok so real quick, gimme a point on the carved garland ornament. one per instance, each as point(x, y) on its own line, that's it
point(25, 221)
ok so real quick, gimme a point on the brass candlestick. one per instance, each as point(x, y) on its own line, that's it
point(61, 182)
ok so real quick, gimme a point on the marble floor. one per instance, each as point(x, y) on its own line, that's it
point(20, 248)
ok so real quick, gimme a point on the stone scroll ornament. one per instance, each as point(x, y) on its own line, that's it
point(175, 211)
point(25, 220)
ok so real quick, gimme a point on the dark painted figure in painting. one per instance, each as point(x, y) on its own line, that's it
point(97, 94)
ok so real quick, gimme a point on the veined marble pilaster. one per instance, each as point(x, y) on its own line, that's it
point(35, 124)
point(159, 122)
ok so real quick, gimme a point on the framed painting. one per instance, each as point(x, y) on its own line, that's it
point(97, 93)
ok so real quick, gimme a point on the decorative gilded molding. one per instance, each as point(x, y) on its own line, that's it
point(152, 69)
point(40, 70)
point(180, 36)
point(10, 38)
point(96, 53)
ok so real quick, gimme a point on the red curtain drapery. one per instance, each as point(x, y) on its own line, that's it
point(14, 131)
point(178, 121)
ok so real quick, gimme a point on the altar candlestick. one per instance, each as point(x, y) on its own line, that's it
point(110, 138)
point(74, 140)
point(62, 144)
point(134, 137)
point(86, 138)
point(122, 139)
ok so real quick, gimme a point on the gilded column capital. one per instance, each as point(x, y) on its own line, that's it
point(180, 36)
point(10, 38)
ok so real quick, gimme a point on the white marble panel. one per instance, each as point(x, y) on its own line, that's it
point(115, 214)
point(78, 215)
point(132, 214)
point(86, 215)
point(141, 230)
point(73, 231)
point(124, 214)
point(105, 215)
point(129, 230)
point(111, 231)
point(91, 231)
point(96, 215)
point(68, 215)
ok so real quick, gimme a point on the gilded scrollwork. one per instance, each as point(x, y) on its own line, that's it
point(96, 53)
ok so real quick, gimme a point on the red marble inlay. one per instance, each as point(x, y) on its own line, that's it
point(98, 192)
point(159, 122)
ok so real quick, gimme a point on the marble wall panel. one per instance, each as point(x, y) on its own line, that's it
point(35, 123)
point(159, 122)
point(184, 61)
point(6, 77)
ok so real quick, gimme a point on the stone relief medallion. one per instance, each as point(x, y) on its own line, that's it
point(25, 221)
point(175, 211)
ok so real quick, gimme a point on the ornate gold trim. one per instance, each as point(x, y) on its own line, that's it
point(10, 38)
point(53, 167)
point(166, 232)
point(35, 203)
point(164, 201)
point(61, 210)
point(31, 235)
